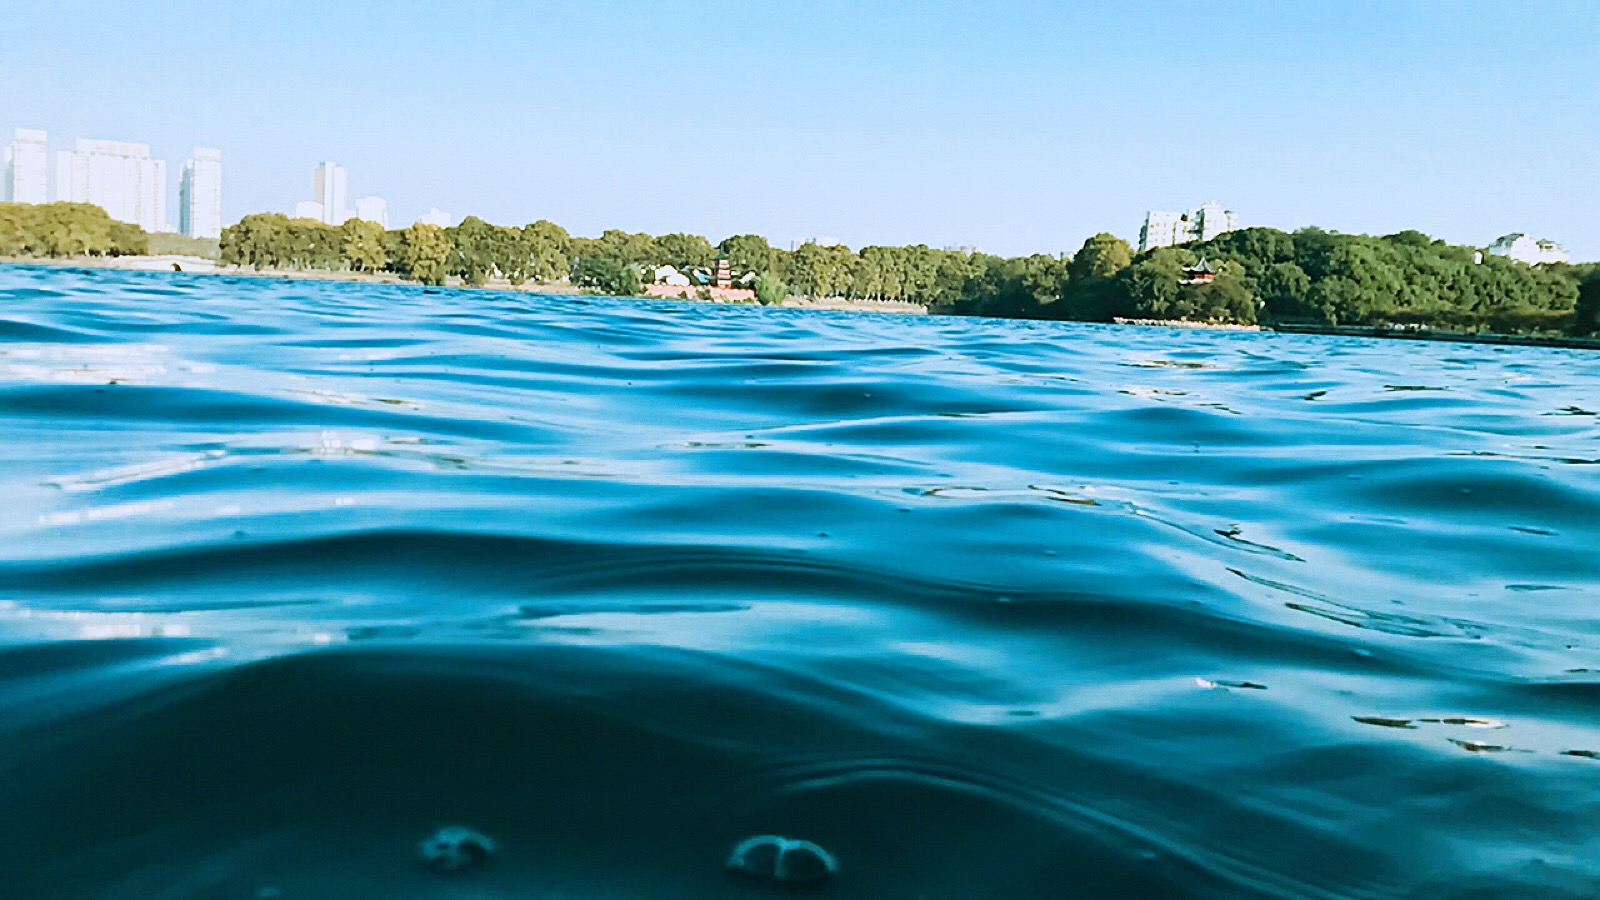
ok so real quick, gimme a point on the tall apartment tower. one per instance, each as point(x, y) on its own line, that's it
point(200, 194)
point(330, 187)
point(117, 176)
point(26, 167)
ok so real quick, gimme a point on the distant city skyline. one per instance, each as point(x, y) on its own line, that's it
point(1016, 127)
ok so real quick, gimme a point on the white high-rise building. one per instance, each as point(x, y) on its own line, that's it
point(1168, 229)
point(330, 187)
point(27, 167)
point(200, 195)
point(117, 176)
point(373, 209)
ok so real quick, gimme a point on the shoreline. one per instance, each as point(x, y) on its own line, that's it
point(194, 265)
point(1430, 334)
point(1185, 323)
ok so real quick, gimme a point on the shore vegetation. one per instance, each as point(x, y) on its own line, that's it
point(61, 230)
point(1309, 277)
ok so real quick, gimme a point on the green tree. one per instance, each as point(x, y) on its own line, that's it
point(771, 291)
point(819, 271)
point(74, 229)
point(637, 249)
point(1153, 284)
point(1284, 287)
point(548, 247)
point(749, 253)
point(510, 254)
point(473, 250)
point(1101, 257)
point(1043, 281)
point(361, 245)
point(684, 251)
point(1094, 293)
point(394, 252)
point(259, 241)
point(1586, 315)
point(427, 253)
point(606, 275)
point(128, 240)
point(878, 276)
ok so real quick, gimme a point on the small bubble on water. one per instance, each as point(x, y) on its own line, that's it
point(454, 848)
point(783, 860)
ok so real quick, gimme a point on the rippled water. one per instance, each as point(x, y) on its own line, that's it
point(293, 573)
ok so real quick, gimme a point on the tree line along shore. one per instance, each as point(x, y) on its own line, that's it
point(1307, 278)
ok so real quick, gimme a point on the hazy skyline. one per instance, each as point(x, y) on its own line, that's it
point(1013, 127)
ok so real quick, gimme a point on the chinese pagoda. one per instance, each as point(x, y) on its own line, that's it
point(1201, 272)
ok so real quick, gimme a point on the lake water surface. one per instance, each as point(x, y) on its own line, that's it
point(293, 573)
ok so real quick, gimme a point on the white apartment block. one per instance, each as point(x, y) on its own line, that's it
point(117, 176)
point(1525, 249)
point(436, 216)
point(200, 195)
point(373, 209)
point(27, 165)
point(308, 209)
point(1168, 229)
point(330, 187)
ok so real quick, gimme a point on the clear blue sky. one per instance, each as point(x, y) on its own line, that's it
point(1016, 127)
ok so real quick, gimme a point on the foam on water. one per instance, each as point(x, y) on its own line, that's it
point(292, 574)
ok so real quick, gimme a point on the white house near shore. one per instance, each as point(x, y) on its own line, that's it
point(1524, 249)
point(670, 275)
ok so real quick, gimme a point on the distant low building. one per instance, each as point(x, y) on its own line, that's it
point(1169, 229)
point(373, 209)
point(437, 217)
point(1524, 249)
point(308, 209)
